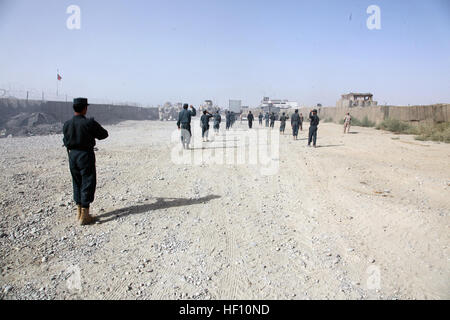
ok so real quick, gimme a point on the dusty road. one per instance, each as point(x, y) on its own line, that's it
point(364, 216)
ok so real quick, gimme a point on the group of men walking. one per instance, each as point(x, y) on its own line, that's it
point(296, 123)
point(184, 123)
point(269, 118)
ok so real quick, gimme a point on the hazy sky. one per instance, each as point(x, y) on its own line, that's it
point(188, 51)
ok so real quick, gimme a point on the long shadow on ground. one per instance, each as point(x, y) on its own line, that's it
point(161, 203)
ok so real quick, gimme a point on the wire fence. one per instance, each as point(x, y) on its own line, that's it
point(40, 95)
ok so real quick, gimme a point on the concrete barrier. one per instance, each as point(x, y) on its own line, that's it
point(62, 111)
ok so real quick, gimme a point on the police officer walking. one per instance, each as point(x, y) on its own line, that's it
point(313, 128)
point(267, 117)
point(204, 122)
point(228, 119)
point(79, 139)
point(272, 120)
point(295, 123)
point(301, 121)
point(217, 120)
point(184, 124)
point(283, 119)
point(250, 119)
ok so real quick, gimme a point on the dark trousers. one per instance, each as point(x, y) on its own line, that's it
point(228, 125)
point(272, 124)
point(84, 177)
point(282, 127)
point(260, 122)
point(186, 133)
point(205, 131)
point(295, 129)
point(312, 135)
point(250, 124)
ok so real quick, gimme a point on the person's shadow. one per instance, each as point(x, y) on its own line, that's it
point(161, 203)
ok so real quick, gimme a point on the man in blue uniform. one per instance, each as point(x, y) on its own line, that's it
point(250, 119)
point(260, 117)
point(267, 118)
point(313, 128)
point(227, 120)
point(233, 119)
point(184, 124)
point(272, 120)
point(217, 121)
point(79, 139)
point(295, 123)
point(204, 122)
point(283, 119)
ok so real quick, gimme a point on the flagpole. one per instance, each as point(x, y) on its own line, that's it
point(57, 80)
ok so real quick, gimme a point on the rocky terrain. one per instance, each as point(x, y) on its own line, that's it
point(364, 216)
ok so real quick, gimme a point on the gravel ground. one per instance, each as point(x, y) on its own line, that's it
point(364, 216)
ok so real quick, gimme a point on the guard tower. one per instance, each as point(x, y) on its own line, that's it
point(356, 100)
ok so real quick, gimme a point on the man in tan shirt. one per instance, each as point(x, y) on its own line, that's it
point(347, 123)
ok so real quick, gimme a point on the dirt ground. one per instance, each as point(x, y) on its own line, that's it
point(364, 216)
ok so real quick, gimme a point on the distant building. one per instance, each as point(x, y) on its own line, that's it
point(235, 106)
point(356, 100)
point(276, 105)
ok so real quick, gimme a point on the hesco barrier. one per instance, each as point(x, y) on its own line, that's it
point(62, 111)
point(414, 114)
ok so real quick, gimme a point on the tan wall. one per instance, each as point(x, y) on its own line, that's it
point(417, 114)
point(413, 114)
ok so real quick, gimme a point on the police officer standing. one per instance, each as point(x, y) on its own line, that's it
point(313, 128)
point(260, 117)
point(228, 119)
point(267, 117)
point(79, 139)
point(184, 124)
